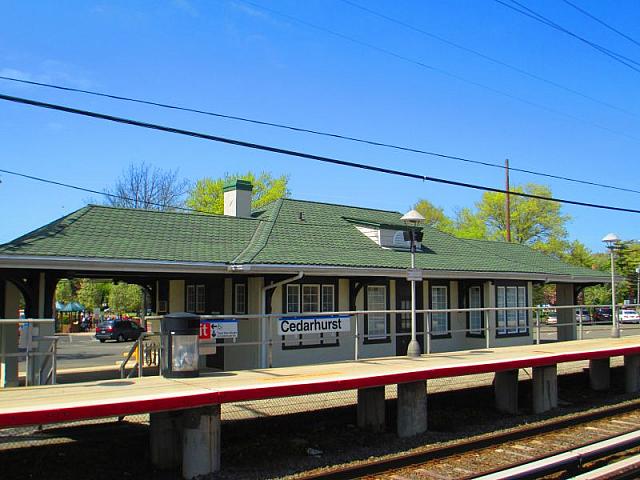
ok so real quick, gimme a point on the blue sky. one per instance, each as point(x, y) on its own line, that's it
point(235, 58)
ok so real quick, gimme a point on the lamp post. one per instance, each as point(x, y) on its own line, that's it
point(611, 240)
point(413, 219)
point(638, 286)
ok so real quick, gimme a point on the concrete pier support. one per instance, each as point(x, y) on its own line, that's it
point(165, 433)
point(371, 410)
point(412, 408)
point(599, 374)
point(632, 373)
point(506, 391)
point(545, 388)
point(201, 441)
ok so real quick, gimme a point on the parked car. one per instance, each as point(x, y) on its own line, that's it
point(552, 319)
point(602, 315)
point(628, 315)
point(584, 314)
point(119, 330)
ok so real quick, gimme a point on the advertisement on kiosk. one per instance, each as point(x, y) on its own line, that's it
point(212, 330)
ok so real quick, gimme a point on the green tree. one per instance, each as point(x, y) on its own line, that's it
point(208, 196)
point(125, 297)
point(64, 291)
point(470, 225)
point(434, 216)
point(534, 222)
point(92, 294)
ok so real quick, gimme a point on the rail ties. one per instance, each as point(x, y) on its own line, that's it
point(572, 444)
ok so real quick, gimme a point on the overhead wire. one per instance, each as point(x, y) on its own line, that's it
point(319, 133)
point(526, 11)
point(298, 154)
point(484, 56)
point(439, 70)
point(601, 22)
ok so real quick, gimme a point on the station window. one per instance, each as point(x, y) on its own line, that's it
point(439, 301)
point(511, 322)
point(376, 322)
point(240, 298)
point(196, 298)
point(476, 325)
point(309, 298)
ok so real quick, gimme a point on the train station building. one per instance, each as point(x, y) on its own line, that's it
point(292, 257)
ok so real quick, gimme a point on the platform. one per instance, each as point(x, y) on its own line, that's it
point(62, 403)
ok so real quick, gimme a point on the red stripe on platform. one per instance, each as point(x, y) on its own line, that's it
point(132, 407)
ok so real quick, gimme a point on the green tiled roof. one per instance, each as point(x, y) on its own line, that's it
point(286, 232)
point(121, 233)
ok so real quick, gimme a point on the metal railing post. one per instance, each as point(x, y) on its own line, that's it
point(428, 333)
point(140, 356)
point(54, 362)
point(580, 333)
point(537, 326)
point(487, 330)
point(270, 345)
point(356, 339)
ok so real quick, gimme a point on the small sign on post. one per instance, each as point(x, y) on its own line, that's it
point(414, 275)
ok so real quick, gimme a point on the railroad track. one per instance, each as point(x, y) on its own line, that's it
point(490, 454)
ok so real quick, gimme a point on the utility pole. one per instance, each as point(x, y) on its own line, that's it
point(508, 201)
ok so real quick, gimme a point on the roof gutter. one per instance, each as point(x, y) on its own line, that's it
point(108, 264)
point(159, 266)
point(266, 351)
point(436, 274)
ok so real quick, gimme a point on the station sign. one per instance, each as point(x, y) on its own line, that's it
point(213, 329)
point(414, 275)
point(318, 324)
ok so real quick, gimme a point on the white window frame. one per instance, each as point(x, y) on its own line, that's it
point(439, 321)
point(240, 307)
point(191, 298)
point(325, 305)
point(375, 320)
point(523, 315)
point(293, 292)
point(512, 322)
point(201, 298)
point(314, 306)
point(475, 318)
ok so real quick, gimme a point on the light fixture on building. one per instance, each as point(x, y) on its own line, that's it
point(611, 240)
point(413, 219)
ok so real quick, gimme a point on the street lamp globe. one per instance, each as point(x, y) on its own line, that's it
point(611, 241)
point(413, 218)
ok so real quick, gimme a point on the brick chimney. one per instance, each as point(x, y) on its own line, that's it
point(237, 198)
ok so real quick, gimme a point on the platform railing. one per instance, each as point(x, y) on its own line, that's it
point(47, 372)
point(488, 331)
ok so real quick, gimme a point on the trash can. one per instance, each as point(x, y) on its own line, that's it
point(179, 342)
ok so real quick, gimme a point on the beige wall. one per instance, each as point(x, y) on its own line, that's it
point(176, 296)
point(244, 357)
point(9, 337)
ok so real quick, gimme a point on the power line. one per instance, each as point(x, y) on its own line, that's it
point(320, 133)
point(601, 22)
point(524, 10)
point(486, 57)
point(293, 153)
point(438, 70)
